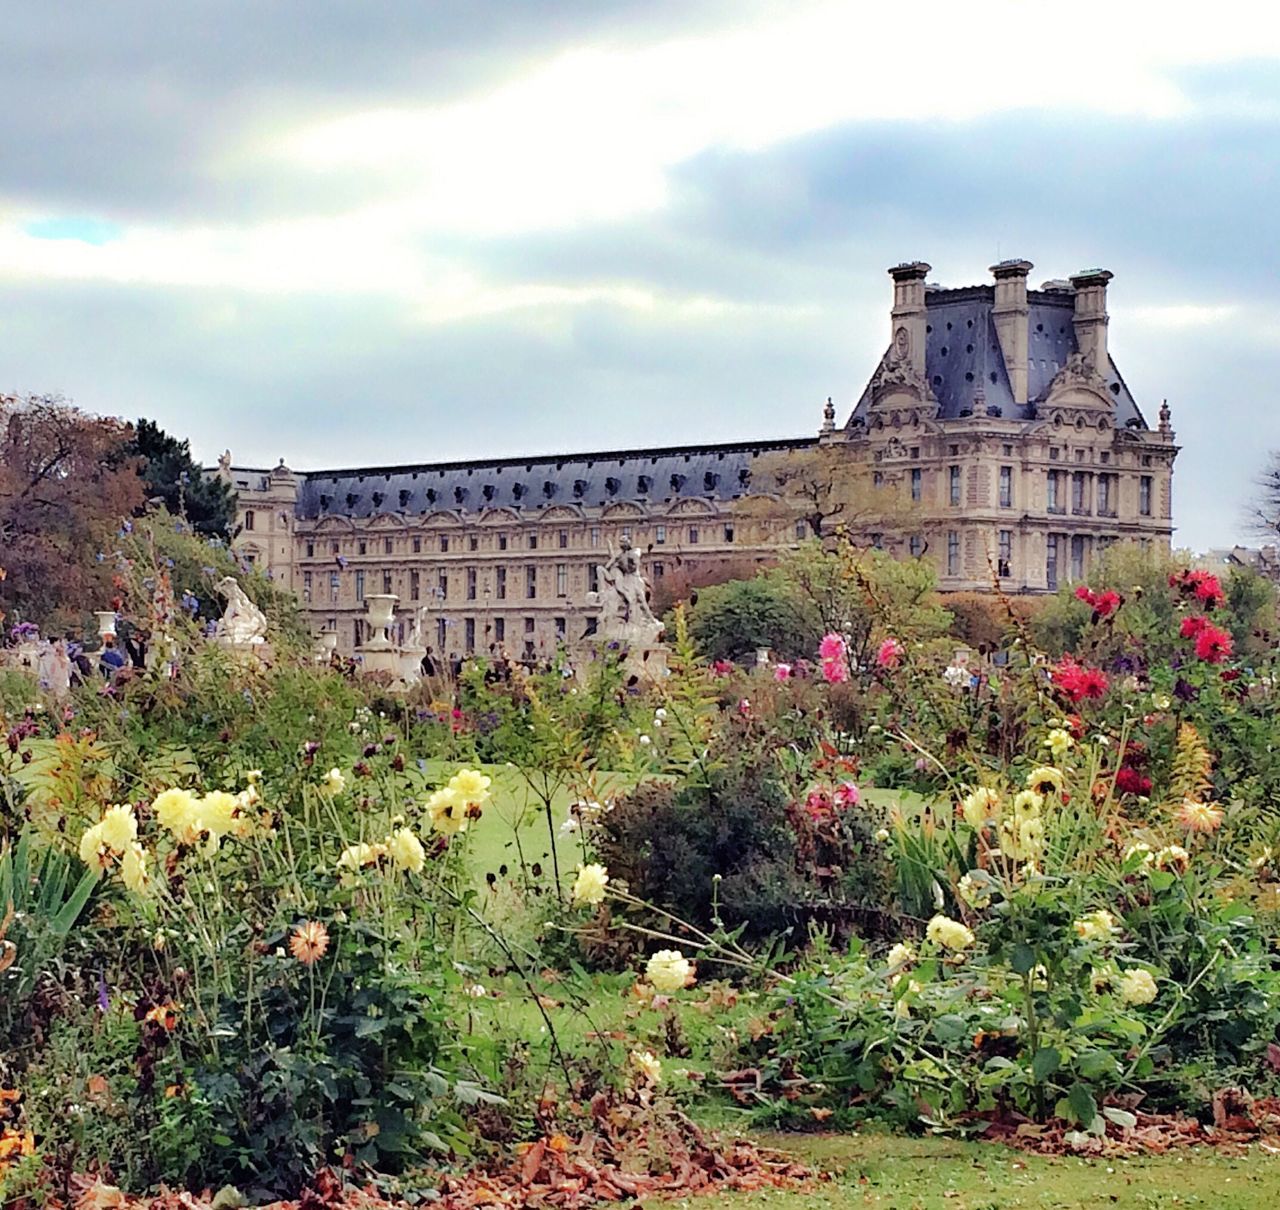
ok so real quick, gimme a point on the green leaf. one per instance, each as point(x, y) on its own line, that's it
point(1083, 1107)
point(1047, 1060)
point(1022, 959)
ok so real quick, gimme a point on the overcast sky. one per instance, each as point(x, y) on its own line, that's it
point(374, 233)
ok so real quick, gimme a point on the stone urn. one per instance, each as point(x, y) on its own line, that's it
point(106, 622)
point(378, 653)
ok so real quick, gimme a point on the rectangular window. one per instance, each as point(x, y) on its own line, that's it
point(357, 632)
point(693, 535)
point(1004, 561)
point(562, 630)
point(442, 585)
point(1079, 493)
point(1051, 562)
point(728, 533)
point(386, 581)
point(626, 533)
point(311, 550)
point(595, 535)
point(500, 581)
point(917, 484)
point(528, 625)
point(915, 546)
point(877, 541)
point(442, 635)
point(248, 519)
point(1006, 487)
point(660, 535)
point(954, 485)
point(877, 479)
point(444, 545)
point(333, 587)
point(500, 630)
point(1007, 450)
point(469, 630)
point(1077, 556)
point(564, 539)
point(360, 585)
point(388, 545)
point(306, 586)
point(659, 570)
point(417, 545)
point(502, 541)
point(335, 548)
point(362, 547)
point(802, 530)
point(415, 585)
point(953, 553)
point(1144, 495)
point(562, 579)
point(1106, 495)
point(530, 582)
point(533, 541)
point(593, 577)
point(1053, 496)
point(471, 583)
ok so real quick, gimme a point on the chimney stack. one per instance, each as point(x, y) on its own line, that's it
point(1010, 314)
point(1090, 317)
point(908, 315)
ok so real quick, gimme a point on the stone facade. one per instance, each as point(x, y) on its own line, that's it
point(996, 417)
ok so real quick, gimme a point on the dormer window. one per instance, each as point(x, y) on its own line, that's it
point(709, 481)
point(677, 482)
point(612, 485)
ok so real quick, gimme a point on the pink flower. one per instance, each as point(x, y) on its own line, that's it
point(782, 672)
point(832, 647)
point(847, 795)
point(835, 672)
point(889, 654)
point(722, 667)
point(744, 707)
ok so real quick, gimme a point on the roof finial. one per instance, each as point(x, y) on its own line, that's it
point(1166, 427)
point(828, 416)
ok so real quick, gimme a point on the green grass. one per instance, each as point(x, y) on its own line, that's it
point(894, 1173)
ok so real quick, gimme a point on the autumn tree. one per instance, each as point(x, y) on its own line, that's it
point(66, 482)
point(831, 491)
point(172, 477)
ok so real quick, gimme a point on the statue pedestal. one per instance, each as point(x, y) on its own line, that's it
point(379, 656)
point(638, 646)
point(411, 664)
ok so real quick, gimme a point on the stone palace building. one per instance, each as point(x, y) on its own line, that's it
point(996, 415)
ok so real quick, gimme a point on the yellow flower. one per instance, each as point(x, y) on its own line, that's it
point(1022, 839)
point(668, 971)
point(471, 786)
point(1027, 804)
point(119, 828)
point(1059, 742)
point(948, 933)
point(647, 1066)
point(589, 886)
point(1045, 779)
point(1172, 855)
point(333, 782)
point(133, 869)
point(979, 805)
point(94, 850)
point(900, 956)
point(1096, 926)
point(1139, 847)
point(177, 811)
point(406, 850)
point(1137, 987)
point(356, 856)
point(975, 889)
point(217, 811)
point(1200, 816)
point(448, 812)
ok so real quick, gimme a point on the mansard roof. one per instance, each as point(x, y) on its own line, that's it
point(536, 485)
point(963, 355)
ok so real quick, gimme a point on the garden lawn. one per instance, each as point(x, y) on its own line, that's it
point(896, 1173)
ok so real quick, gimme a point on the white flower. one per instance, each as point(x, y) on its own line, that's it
point(475, 991)
point(645, 741)
point(660, 712)
point(589, 887)
point(333, 782)
point(1137, 987)
point(668, 971)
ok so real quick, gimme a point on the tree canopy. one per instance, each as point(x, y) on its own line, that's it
point(173, 477)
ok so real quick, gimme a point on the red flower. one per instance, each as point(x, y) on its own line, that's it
point(1203, 585)
point(1213, 645)
point(1104, 604)
point(1192, 625)
point(1085, 593)
point(1078, 681)
point(1130, 781)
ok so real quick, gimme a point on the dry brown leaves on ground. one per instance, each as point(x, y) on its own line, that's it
point(1238, 1119)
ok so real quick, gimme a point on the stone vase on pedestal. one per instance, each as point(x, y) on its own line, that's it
point(106, 622)
point(378, 653)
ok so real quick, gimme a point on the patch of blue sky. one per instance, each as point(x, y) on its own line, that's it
point(87, 230)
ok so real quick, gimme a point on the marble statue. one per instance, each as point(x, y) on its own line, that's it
point(242, 622)
point(625, 614)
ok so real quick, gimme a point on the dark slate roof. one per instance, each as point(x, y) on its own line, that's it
point(963, 354)
point(653, 476)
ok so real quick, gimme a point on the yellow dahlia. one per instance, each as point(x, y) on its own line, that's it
point(133, 869)
point(1045, 779)
point(471, 786)
point(119, 827)
point(1096, 926)
point(948, 933)
point(590, 884)
point(406, 850)
point(94, 850)
point(668, 971)
point(178, 812)
point(448, 812)
point(979, 805)
point(1137, 987)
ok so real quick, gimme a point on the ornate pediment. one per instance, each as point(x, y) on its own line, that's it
point(562, 512)
point(896, 377)
point(683, 508)
point(1079, 383)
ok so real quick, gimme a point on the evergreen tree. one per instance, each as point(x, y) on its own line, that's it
point(171, 475)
